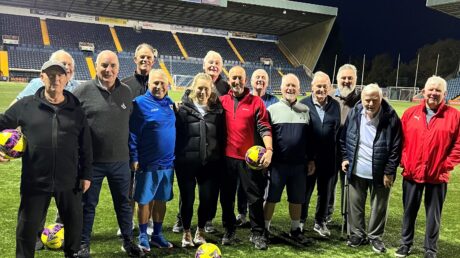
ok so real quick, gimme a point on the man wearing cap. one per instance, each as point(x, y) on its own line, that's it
point(57, 161)
point(60, 56)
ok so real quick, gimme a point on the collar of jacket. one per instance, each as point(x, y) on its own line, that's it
point(142, 79)
point(99, 84)
point(244, 95)
point(440, 110)
point(71, 100)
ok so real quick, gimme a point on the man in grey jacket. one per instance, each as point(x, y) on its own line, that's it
point(108, 105)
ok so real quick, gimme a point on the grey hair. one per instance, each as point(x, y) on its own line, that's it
point(348, 67)
point(437, 81)
point(318, 74)
point(54, 55)
point(373, 87)
point(290, 75)
point(145, 45)
point(160, 72)
point(105, 52)
point(213, 53)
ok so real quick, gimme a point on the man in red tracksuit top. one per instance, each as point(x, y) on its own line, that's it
point(431, 149)
point(246, 121)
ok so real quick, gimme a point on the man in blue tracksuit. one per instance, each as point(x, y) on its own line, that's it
point(152, 142)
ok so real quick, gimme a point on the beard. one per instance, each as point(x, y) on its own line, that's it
point(345, 90)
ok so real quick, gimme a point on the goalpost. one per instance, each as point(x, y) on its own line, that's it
point(181, 82)
point(402, 93)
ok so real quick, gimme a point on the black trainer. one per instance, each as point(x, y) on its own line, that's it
point(430, 254)
point(297, 236)
point(84, 251)
point(131, 249)
point(259, 241)
point(356, 241)
point(403, 251)
point(229, 237)
point(378, 246)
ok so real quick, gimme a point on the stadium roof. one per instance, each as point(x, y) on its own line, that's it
point(274, 17)
point(451, 7)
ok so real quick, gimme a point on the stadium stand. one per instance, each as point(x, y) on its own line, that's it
point(199, 45)
point(28, 57)
point(453, 88)
point(27, 28)
point(67, 34)
point(161, 40)
point(253, 50)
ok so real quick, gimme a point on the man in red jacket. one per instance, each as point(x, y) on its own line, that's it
point(431, 149)
point(247, 122)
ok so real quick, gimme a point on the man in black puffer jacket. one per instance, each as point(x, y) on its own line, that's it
point(57, 161)
point(371, 150)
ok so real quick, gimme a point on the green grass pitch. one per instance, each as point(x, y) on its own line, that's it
point(105, 243)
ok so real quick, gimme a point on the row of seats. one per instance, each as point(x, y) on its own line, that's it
point(453, 88)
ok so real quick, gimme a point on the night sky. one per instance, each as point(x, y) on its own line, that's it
point(374, 27)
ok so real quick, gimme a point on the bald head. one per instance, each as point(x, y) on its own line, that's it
point(237, 80)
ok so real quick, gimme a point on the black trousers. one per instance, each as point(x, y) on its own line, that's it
point(32, 210)
point(324, 186)
point(207, 178)
point(435, 194)
point(253, 183)
point(242, 200)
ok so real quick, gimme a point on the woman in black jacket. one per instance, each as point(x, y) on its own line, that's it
point(199, 151)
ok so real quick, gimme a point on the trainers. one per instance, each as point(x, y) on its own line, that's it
point(378, 246)
point(144, 242)
point(259, 241)
point(150, 227)
point(429, 254)
point(228, 238)
point(208, 227)
point(301, 225)
point(403, 251)
point(298, 237)
point(160, 241)
point(131, 249)
point(84, 251)
point(187, 239)
point(199, 237)
point(356, 241)
point(177, 228)
point(328, 219)
point(241, 220)
point(322, 229)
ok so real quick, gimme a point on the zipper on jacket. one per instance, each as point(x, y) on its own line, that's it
point(54, 135)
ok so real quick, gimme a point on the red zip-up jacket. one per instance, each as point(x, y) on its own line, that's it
point(244, 117)
point(430, 150)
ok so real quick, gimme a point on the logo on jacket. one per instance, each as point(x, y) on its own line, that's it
point(123, 106)
point(417, 117)
point(154, 110)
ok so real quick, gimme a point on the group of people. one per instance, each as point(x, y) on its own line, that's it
point(132, 133)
